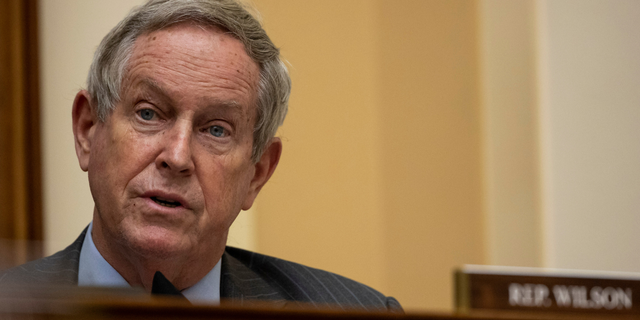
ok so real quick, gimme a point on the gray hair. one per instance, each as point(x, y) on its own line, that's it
point(111, 58)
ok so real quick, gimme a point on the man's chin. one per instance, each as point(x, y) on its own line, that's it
point(157, 242)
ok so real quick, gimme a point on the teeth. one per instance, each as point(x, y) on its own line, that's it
point(165, 202)
point(167, 205)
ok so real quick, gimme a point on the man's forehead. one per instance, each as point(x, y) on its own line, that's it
point(215, 59)
point(197, 41)
point(192, 27)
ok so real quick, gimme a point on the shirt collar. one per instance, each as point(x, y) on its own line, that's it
point(94, 270)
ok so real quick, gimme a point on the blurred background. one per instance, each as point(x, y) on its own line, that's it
point(421, 136)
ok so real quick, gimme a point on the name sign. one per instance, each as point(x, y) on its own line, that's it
point(504, 288)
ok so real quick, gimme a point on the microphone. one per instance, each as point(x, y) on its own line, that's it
point(162, 286)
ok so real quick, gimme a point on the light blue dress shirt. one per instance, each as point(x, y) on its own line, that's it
point(94, 270)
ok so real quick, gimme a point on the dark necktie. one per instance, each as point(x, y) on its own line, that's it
point(162, 286)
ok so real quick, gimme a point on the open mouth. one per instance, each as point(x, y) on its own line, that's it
point(166, 202)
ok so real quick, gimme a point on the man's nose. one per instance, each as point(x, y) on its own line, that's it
point(176, 156)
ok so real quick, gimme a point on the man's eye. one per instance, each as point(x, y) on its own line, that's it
point(147, 114)
point(217, 131)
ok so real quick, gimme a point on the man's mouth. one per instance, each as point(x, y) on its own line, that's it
point(166, 202)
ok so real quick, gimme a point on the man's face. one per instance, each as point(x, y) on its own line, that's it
point(171, 167)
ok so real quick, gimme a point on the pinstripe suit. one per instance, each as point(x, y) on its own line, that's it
point(246, 277)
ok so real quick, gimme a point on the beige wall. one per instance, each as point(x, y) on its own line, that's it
point(422, 135)
point(560, 97)
point(381, 177)
point(432, 184)
point(507, 34)
point(322, 207)
point(590, 80)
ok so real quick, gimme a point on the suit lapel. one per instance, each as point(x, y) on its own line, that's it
point(241, 284)
point(65, 260)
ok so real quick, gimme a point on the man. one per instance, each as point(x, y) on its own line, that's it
point(176, 131)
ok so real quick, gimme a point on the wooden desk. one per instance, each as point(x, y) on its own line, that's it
point(133, 306)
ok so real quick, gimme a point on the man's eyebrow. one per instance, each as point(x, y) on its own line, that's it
point(156, 88)
point(230, 105)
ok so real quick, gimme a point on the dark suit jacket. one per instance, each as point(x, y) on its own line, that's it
point(245, 277)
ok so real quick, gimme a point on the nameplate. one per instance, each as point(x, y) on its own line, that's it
point(530, 289)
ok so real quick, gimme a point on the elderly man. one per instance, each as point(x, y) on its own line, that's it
point(176, 131)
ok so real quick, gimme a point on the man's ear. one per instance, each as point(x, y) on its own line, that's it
point(263, 171)
point(84, 122)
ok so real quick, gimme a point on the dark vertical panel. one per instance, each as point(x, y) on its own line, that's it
point(32, 119)
point(7, 108)
point(20, 168)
